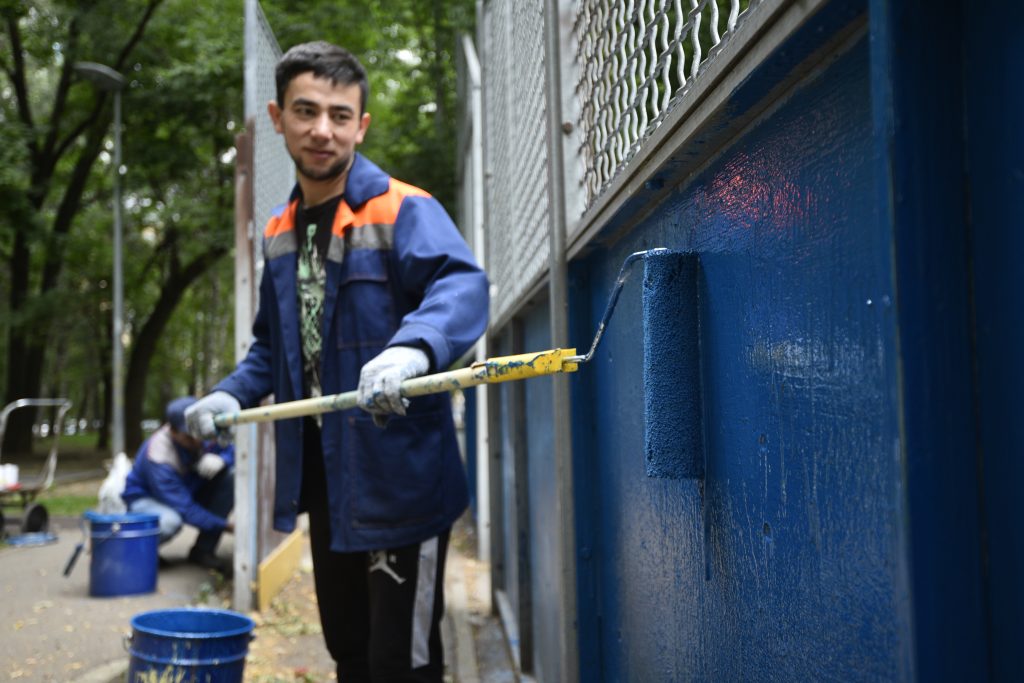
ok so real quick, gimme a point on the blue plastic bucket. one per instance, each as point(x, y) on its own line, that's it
point(207, 645)
point(124, 554)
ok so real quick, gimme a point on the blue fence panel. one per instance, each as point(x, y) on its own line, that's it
point(543, 512)
point(995, 109)
point(786, 564)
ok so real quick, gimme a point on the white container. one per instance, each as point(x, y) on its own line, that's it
point(8, 476)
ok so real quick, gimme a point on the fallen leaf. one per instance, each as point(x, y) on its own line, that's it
point(42, 605)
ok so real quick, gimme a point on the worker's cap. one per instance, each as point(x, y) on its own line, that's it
point(175, 414)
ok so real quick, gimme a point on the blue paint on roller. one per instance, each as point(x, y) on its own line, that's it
point(673, 409)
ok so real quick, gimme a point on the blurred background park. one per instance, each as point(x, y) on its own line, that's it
point(181, 106)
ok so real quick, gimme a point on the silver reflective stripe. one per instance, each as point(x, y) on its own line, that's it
point(336, 249)
point(280, 244)
point(423, 611)
point(162, 451)
point(369, 236)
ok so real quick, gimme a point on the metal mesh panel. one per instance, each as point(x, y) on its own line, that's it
point(272, 176)
point(273, 170)
point(515, 110)
point(635, 59)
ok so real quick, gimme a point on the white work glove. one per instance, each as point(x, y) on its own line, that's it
point(199, 416)
point(380, 381)
point(210, 465)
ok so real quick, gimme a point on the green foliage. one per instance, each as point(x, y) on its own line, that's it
point(408, 48)
point(182, 108)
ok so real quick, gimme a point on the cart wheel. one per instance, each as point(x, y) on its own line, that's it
point(36, 519)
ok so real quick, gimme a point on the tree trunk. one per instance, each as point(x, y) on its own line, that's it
point(23, 381)
point(145, 343)
point(30, 335)
point(17, 436)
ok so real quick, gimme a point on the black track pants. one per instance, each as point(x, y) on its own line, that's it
point(380, 610)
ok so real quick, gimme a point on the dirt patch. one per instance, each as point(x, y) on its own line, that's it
point(289, 645)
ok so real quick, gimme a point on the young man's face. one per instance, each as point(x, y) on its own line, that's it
point(321, 125)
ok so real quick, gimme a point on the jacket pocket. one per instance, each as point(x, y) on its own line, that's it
point(396, 471)
point(367, 310)
point(366, 315)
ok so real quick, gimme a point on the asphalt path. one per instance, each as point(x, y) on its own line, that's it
point(52, 630)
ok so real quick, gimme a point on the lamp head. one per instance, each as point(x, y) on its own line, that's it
point(102, 76)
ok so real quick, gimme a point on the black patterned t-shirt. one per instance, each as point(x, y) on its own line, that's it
point(313, 232)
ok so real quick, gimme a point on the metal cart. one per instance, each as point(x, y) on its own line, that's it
point(33, 518)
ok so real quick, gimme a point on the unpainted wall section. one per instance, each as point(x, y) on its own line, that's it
point(530, 552)
point(543, 511)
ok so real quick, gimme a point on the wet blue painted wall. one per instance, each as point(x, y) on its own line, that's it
point(924, 197)
point(995, 168)
point(860, 321)
point(788, 562)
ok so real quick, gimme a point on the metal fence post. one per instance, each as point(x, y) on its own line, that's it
point(558, 293)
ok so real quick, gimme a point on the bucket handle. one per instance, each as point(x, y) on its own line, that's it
point(115, 527)
point(126, 640)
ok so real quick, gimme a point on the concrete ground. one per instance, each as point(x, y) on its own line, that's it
point(52, 630)
point(289, 643)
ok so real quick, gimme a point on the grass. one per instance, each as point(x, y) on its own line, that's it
point(83, 441)
point(67, 505)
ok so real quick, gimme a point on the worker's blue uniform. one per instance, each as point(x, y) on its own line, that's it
point(397, 273)
point(164, 481)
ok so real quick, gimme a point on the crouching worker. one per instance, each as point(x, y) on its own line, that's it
point(184, 481)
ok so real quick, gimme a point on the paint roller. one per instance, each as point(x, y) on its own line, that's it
point(673, 435)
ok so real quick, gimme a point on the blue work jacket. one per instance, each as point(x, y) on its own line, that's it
point(397, 273)
point(166, 472)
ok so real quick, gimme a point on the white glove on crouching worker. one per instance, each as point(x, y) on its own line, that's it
point(199, 416)
point(210, 465)
point(380, 381)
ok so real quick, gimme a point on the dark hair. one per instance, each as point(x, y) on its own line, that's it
point(325, 61)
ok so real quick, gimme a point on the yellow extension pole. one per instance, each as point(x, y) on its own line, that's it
point(490, 371)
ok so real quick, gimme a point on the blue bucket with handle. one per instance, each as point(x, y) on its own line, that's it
point(124, 553)
point(189, 644)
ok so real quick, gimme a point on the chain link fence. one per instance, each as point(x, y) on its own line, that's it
point(273, 170)
point(626, 65)
point(265, 174)
point(516, 149)
point(634, 61)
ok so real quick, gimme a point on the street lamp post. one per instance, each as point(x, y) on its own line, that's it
point(107, 79)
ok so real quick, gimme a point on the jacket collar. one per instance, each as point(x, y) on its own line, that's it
point(365, 181)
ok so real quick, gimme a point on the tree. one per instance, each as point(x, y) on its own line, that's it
point(58, 136)
point(191, 71)
point(182, 108)
point(408, 48)
point(183, 98)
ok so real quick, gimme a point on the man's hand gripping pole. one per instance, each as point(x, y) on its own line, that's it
point(490, 371)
